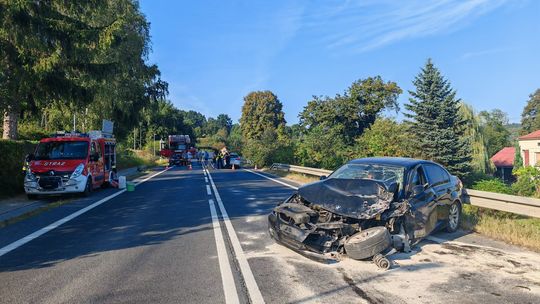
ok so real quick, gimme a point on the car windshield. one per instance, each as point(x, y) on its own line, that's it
point(384, 173)
point(61, 150)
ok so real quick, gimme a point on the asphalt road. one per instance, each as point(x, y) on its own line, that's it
point(185, 236)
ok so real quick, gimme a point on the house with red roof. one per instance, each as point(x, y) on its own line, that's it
point(529, 146)
point(504, 162)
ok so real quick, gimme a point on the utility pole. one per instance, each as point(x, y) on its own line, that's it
point(134, 138)
point(74, 115)
point(154, 143)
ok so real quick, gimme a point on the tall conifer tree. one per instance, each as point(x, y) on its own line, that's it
point(436, 124)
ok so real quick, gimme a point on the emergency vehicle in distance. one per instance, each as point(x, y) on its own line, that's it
point(72, 163)
point(176, 148)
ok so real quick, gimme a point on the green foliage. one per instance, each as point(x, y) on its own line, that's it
point(493, 185)
point(494, 131)
point(518, 161)
point(322, 147)
point(530, 118)
point(436, 126)
point(261, 112)
point(353, 111)
point(86, 59)
point(385, 137)
point(475, 132)
point(11, 162)
point(528, 181)
point(260, 150)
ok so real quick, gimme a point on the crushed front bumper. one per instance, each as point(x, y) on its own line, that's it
point(293, 238)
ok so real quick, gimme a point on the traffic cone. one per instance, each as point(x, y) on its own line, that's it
point(233, 167)
point(255, 166)
point(189, 167)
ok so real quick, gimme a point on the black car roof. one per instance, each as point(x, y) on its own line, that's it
point(392, 161)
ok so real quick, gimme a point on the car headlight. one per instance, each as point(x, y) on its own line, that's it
point(78, 171)
point(30, 177)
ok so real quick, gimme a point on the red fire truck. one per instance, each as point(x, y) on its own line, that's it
point(175, 147)
point(71, 163)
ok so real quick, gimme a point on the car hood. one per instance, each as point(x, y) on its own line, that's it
point(356, 198)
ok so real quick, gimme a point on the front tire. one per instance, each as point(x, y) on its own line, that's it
point(367, 243)
point(88, 189)
point(454, 217)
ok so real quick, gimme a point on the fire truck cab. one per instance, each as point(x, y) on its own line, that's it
point(71, 163)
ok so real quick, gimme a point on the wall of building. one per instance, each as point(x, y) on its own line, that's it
point(533, 146)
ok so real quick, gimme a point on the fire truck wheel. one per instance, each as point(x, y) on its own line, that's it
point(32, 196)
point(88, 188)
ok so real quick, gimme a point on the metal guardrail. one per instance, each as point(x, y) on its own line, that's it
point(300, 169)
point(503, 202)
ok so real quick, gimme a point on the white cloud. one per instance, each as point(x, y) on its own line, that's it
point(487, 52)
point(366, 25)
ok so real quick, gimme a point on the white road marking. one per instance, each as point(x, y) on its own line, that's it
point(229, 288)
point(206, 179)
point(251, 285)
point(6, 249)
point(208, 190)
point(273, 179)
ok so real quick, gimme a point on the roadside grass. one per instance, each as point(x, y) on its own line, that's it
point(507, 227)
point(299, 177)
point(131, 158)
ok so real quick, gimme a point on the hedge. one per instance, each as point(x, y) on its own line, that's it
point(12, 155)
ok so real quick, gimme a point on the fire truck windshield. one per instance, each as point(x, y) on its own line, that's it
point(61, 150)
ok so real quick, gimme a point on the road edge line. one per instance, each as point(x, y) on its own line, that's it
point(251, 284)
point(18, 243)
point(273, 179)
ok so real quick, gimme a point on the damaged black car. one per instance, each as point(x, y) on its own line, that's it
point(368, 208)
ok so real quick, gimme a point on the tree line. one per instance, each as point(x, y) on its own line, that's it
point(332, 130)
point(82, 61)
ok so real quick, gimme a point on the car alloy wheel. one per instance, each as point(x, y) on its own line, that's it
point(453, 217)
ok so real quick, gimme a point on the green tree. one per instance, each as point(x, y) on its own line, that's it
point(518, 161)
point(475, 132)
point(86, 59)
point(196, 121)
point(530, 118)
point(353, 111)
point(435, 123)
point(385, 137)
point(494, 131)
point(261, 111)
point(224, 122)
point(322, 147)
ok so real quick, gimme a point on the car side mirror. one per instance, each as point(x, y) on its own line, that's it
point(322, 177)
point(29, 157)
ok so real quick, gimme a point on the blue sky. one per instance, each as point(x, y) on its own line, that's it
point(212, 53)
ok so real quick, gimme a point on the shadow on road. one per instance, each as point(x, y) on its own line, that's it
point(171, 205)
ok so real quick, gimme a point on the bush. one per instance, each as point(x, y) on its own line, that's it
point(492, 185)
point(528, 181)
point(11, 162)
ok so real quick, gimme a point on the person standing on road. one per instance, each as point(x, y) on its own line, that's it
point(219, 161)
